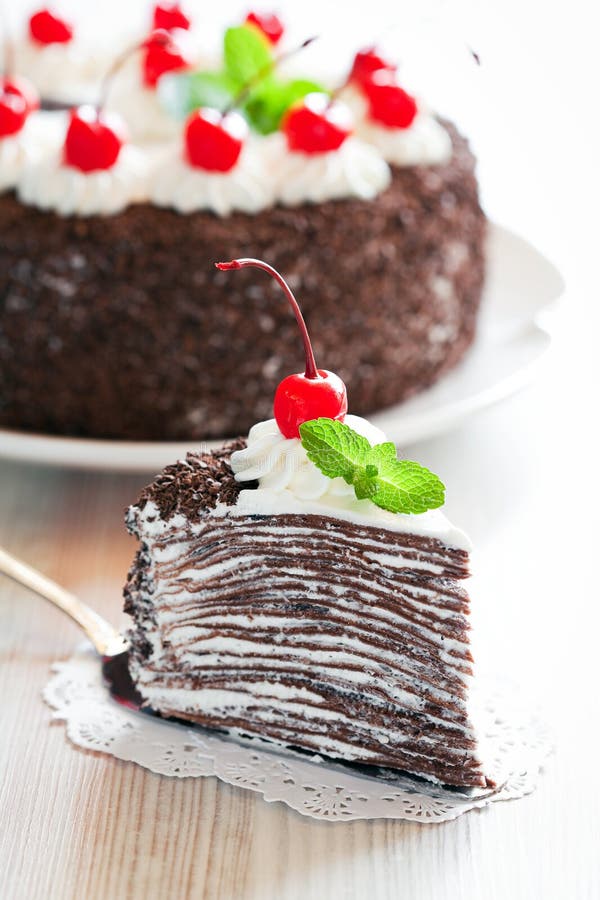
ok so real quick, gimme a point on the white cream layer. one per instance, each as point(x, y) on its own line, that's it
point(289, 483)
point(248, 187)
point(51, 185)
point(354, 170)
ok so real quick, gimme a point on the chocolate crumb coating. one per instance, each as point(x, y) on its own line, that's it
point(120, 327)
point(313, 632)
point(197, 483)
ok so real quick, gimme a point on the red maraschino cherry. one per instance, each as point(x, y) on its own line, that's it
point(13, 113)
point(18, 98)
point(388, 102)
point(366, 62)
point(94, 139)
point(302, 397)
point(270, 25)
point(317, 124)
point(170, 15)
point(214, 140)
point(161, 56)
point(45, 27)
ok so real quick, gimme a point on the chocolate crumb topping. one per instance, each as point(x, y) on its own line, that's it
point(196, 483)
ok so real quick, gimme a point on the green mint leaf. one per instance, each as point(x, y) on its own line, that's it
point(181, 93)
point(334, 448)
point(404, 486)
point(365, 486)
point(381, 452)
point(247, 53)
point(270, 100)
point(398, 485)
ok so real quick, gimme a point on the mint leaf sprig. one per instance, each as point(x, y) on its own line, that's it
point(249, 62)
point(398, 485)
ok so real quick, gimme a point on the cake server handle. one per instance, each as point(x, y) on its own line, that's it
point(105, 638)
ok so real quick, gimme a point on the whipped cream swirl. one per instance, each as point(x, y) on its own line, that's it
point(140, 106)
point(13, 157)
point(354, 170)
point(69, 72)
point(41, 132)
point(51, 185)
point(247, 187)
point(281, 464)
point(425, 143)
point(289, 483)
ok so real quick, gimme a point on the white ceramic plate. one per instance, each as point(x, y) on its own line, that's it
point(521, 288)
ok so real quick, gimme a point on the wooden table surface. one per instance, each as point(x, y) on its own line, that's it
point(78, 824)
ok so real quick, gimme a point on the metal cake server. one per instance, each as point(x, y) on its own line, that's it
point(113, 650)
point(110, 645)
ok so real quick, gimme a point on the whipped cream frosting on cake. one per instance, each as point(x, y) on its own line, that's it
point(285, 609)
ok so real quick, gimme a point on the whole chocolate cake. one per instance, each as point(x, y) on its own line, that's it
point(111, 321)
point(303, 587)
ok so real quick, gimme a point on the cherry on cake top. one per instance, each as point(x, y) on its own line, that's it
point(317, 124)
point(95, 137)
point(162, 56)
point(304, 396)
point(214, 140)
point(18, 98)
point(366, 62)
point(388, 103)
point(170, 16)
point(268, 23)
point(47, 27)
point(93, 140)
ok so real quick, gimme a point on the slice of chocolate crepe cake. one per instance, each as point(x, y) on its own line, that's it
point(304, 588)
point(309, 622)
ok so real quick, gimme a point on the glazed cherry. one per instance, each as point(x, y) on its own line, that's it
point(270, 25)
point(214, 140)
point(169, 16)
point(18, 98)
point(94, 139)
point(302, 397)
point(13, 113)
point(317, 124)
point(45, 27)
point(161, 55)
point(388, 102)
point(366, 62)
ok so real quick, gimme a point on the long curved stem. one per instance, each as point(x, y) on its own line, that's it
point(311, 370)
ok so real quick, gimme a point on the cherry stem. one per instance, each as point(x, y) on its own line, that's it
point(311, 370)
point(256, 79)
point(157, 37)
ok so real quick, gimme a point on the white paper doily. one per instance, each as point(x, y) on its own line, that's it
point(314, 788)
